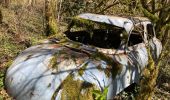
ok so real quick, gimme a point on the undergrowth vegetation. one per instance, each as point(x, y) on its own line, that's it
point(20, 29)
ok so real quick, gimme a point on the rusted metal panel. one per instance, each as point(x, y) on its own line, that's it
point(43, 72)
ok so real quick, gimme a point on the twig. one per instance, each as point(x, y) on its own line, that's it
point(108, 7)
point(58, 18)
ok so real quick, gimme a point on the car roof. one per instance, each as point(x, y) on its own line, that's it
point(114, 20)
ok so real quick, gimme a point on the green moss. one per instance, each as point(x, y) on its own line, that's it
point(151, 16)
point(113, 67)
point(69, 43)
point(101, 56)
point(53, 27)
point(83, 23)
point(72, 90)
point(53, 62)
point(50, 16)
point(148, 82)
point(82, 69)
point(88, 25)
point(93, 24)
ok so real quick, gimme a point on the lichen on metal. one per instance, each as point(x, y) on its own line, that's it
point(76, 66)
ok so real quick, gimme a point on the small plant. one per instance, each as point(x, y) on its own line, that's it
point(100, 95)
point(1, 79)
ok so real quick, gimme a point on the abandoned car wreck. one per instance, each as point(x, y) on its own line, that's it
point(99, 52)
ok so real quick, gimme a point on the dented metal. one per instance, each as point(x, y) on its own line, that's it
point(43, 72)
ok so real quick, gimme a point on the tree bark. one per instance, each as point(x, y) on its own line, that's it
point(150, 73)
point(31, 2)
point(6, 3)
point(1, 17)
point(50, 17)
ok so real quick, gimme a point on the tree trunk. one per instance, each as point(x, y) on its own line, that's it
point(150, 74)
point(148, 81)
point(31, 2)
point(132, 5)
point(6, 3)
point(1, 17)
point(50, 17)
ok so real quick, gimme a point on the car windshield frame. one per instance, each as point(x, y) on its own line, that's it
point(85, 20)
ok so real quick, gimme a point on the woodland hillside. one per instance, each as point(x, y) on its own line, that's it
point(24, 23)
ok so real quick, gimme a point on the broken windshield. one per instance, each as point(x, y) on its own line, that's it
point(101, 35)
point(96, 34)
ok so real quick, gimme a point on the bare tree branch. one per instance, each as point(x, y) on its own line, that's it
point(59, 10)
point(145, 6)
point(162, 8)
point(111, 5)
point(153, 5)
point(100, 4)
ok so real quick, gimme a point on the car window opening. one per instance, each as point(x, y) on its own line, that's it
point(150, 31)
point(135, 39)
point(136, 35)
point(103, 38)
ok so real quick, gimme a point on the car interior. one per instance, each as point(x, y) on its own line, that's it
point(104, 38)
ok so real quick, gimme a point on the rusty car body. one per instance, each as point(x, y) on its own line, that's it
point(99, 52)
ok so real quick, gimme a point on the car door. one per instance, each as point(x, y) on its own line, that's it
point(155, 43)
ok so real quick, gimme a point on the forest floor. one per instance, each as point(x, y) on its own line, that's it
point(22, 28)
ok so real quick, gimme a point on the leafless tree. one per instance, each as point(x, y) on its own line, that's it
point(50, 18)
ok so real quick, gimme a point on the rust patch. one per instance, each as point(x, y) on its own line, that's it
point(107, 72)
point(28, 57)
point(32, 94)
point(99, 67)
point(55, 46)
